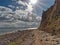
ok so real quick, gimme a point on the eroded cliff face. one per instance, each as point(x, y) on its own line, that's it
point(51, 19)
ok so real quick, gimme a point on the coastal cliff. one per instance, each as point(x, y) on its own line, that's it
point(51, 19)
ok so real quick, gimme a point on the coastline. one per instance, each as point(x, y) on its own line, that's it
point(18, 30)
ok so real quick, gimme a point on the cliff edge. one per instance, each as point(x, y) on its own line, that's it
point(51, 19)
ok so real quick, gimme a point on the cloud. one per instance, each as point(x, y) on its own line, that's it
point(8, 15)
point(16, 20)
point(2, 8)
point(29, 8)
point(11, 6)
point(20, 2)
point(23, 15)
point(5, 14)
point(23, 5)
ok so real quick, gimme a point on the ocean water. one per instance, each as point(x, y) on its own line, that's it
point(6, 30)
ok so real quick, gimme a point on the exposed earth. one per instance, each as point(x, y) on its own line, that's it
point(31, 37)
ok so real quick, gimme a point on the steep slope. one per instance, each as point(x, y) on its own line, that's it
point(31, 37)
point(51, 19)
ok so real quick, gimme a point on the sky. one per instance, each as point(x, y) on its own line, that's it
point(24, 5)
point(15, 14)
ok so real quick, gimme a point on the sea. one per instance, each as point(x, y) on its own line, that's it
point(7, 30)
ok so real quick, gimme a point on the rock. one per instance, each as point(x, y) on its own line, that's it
point(51, 19)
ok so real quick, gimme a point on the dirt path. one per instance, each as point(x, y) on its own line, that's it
point(36, 37)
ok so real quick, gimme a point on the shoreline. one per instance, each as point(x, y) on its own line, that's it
point(18, 30)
